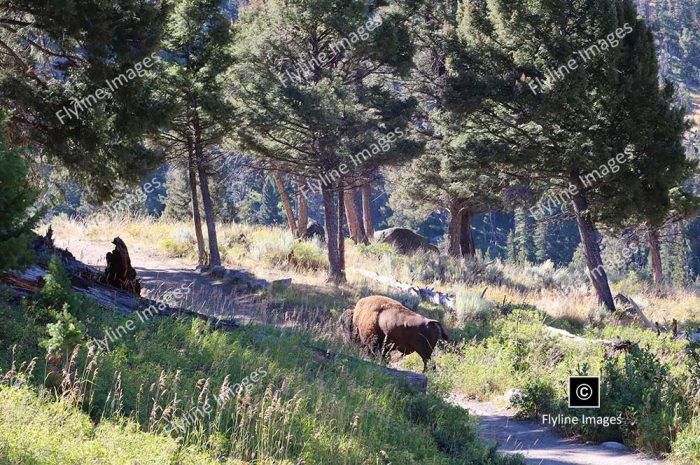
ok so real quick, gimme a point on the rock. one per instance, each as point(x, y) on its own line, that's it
point(405, 240)
point(314, 230)
point(513, 396)
point(259, 284)
point(217, 271)
point(614, 445)
point(202, 269)
point(279, 284)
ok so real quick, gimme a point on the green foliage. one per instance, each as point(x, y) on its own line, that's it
point(343, 414)
point(16, 198)
point(36, 430)
point(270, 211)
point(536, 398)
point(90, 42)
point(64, 334)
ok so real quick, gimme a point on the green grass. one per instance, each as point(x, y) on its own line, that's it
point(36, 430)
point(164, 387)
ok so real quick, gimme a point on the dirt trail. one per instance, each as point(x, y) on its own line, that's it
point(541, 445)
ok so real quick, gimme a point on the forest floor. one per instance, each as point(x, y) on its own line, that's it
point(158, 273)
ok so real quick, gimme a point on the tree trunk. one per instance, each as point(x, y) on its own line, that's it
point(291, 222)
point(466, 235)
point(303, 207)
point(366, 190)
point(192, 174)
point(214, 257)
point(591, 249)
point(454, 234)
point(341, 234)
point(357, 232)
point(655, 251)
point(335, 273)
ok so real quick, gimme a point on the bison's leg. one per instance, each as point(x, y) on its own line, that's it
point(424, 349)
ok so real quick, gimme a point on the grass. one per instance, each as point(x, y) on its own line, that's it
point(37, 430)
point(179, 390)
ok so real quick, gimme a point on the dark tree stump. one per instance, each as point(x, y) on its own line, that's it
point(119, 271)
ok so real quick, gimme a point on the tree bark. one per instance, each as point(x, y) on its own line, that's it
point(341, 234)
point(196, 216)
point(466, 237)
point(335, 273)
point(214, 257)
point(357, 232)
point(591, 249)
point(291, 222)
point(655, 251)
point(454, 233)
point(367, 220)
point(303, 207)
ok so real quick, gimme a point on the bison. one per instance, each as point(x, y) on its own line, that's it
point(379, 322)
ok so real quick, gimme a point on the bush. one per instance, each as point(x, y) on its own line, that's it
point(308, 256)
point(686, 449)
point(182, 244)
point(469, 307)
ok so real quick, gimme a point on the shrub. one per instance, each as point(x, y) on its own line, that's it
point(537, 397)
point(686, 449)
point(308, 256)
point(470, 307)
point(181, 244)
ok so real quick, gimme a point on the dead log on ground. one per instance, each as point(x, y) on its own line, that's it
point(428, 295)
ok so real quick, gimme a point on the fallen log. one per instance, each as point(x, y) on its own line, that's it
point(91, 283)
point(428, 295)
point(630, 307)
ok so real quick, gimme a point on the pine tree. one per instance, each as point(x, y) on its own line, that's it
point(15, 200)
point(554, 129)
point(57, 53)
point(270, 212)
point(196, 59)
point(511, 248)
point(314, 91)
point(523, 237)
point(178, 203)
point(542, 241)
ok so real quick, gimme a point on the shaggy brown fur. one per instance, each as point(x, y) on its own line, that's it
point(382, 323)
point(349, 331)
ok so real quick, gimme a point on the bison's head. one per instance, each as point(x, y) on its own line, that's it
point(349, 332)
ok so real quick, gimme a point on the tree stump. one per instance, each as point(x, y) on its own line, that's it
point(119, 272)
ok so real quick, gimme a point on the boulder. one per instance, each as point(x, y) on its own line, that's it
point(314, 230)
point(405, 240)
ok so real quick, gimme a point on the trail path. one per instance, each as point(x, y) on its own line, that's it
point(541, 445)
point(160, 274)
